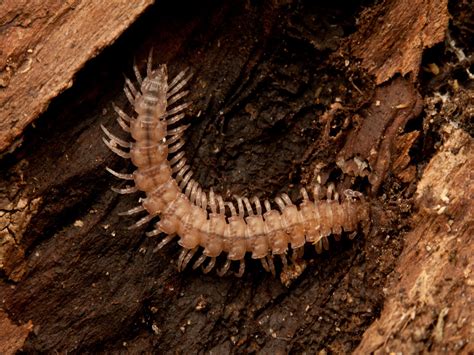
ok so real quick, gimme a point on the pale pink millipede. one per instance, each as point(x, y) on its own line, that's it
point(203, 220)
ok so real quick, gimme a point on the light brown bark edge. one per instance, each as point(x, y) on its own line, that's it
point(427, 306)
point(44, 45)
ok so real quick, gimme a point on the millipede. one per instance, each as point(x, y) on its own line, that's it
point(206, 224)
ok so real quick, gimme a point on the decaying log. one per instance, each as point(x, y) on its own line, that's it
point(284, 93)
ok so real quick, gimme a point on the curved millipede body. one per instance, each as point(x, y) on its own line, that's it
point(202, 220)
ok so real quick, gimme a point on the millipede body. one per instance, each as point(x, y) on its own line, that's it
point(202, 220)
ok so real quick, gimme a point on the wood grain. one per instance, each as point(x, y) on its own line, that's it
point(427, 306)
point(395, 33)
point(43, 44)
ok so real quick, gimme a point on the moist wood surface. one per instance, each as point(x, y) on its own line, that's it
point(281, 93)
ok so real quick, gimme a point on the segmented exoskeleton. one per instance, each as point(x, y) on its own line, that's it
point(203, 220)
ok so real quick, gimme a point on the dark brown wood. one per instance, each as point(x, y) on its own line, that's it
point(283, 91)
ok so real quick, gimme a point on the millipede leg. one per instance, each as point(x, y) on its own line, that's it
point(129, 95)
point(119, 175)
point(284, 261)
point(137, 73)
point(199, 261)
point(174, 119)
point(271, 265)
point(193, 192)
point(280, 203)
point(149, 63)
point(177, 78)
point(170, 140)
point(325, 242)
point(132, 211)
point(248, 206)
point(204, 200)
point(164, 241)
point(179, 166)
point(154, 232)
point(184, 258)
point(189, 188)
point(212, 201)
point(177, 130)
point(240, 206)
point(225, 268)
point(264, 263)
point(123, 119)
point(258, 205)
point(241, 268)
point(127, 190)
point(304, 193)
point(287, 199)
point(180, 172)
point(176, 147)
point(198, 198)
point(318, 246)
point(114, 139)
point(131, 87)
point(113, 148)
point(176, 158)
point(221, 204)
point(181, 257)
point(178, 108)
point(317, 192)
point(141, 222)
point(268, 208)
point(185, 180)
point(177, 97)
point(121, 114)
point(206, 269)
point(232, 209)
point(330, 191)
point(177, 85)
point(123, 125)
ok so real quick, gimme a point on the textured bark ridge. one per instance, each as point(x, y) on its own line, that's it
point(285, 93)
point(425, 306)
point(43, 44)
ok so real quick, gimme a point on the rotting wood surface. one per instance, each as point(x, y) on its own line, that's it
point(42, 46)
point(278, 97)
point(398, 31)
point(426, 305)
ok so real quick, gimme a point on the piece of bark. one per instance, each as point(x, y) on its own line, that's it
point(391, 40)
point(429, 305)
point(393, 35)
point(43, 44)
point(375, 141)
point(12, 337)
